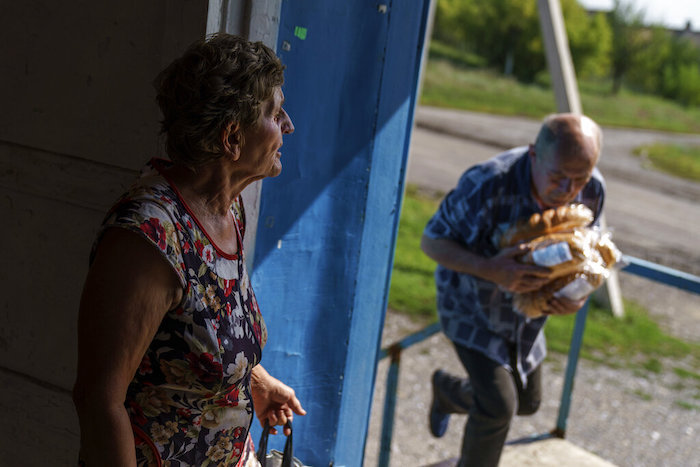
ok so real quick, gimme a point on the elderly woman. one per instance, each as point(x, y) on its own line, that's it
point(170, 335)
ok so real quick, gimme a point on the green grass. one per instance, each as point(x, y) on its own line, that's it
point(446, 85)
point(645, 396)
point(450, 80)
point(458, 58)
point(685, 374)
point(675, 159)
point(412, 287)
point(687, 405)
point(634, 341)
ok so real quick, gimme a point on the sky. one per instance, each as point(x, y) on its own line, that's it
point(671, 13)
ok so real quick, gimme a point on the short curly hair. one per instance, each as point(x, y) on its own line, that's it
point(217, 81)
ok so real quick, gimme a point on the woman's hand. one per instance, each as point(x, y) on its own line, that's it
point(274, 401)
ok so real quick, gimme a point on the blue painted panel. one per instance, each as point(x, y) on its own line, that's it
point(389, 157)
point(327, 224)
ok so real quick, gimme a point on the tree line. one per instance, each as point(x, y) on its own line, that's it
point(616, 45)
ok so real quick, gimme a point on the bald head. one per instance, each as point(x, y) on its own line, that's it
point(563, 157)
point(568, 135)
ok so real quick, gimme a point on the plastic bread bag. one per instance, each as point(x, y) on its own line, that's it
point(582, 283)
point(561, 219)
point(574, 286)
point(563, 253)
point(580, 261)
point(610, 254)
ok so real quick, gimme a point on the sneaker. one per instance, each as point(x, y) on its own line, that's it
point(438, 420)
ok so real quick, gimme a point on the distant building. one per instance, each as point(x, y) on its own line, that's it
point(686, 33)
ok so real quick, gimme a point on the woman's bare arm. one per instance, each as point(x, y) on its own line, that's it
point(128, 290)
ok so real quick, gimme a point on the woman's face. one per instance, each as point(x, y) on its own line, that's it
point(260, 152)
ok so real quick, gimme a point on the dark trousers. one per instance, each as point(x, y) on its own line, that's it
point(491, 396)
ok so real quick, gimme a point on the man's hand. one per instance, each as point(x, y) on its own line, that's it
point(274, 401)
point(563, 306)
point(506, 271)
point(503, 269)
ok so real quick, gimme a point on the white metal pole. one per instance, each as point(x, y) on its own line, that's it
point(561, 69)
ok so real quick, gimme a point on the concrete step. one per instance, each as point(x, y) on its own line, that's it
point(552, 452)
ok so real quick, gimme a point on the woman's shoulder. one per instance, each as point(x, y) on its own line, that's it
point(149, 191)
point(148, 207)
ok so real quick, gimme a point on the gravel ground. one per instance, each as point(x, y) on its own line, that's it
point(626, 418)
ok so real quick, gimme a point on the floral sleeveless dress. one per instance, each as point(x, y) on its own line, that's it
point(190, 401)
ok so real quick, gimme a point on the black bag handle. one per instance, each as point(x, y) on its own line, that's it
point(262, 445)
point(288, 454)
point(288, 449)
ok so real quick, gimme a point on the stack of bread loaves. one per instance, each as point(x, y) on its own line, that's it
point(579, 257)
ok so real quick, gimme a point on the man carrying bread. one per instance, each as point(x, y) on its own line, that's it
point(500, 348)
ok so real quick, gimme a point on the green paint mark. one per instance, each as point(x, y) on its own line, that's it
point(300, 32)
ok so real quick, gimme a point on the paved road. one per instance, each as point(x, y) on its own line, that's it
point(653, 216)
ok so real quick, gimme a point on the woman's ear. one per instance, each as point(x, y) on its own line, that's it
point(231, 140)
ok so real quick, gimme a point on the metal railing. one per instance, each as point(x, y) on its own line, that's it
point(636, 266)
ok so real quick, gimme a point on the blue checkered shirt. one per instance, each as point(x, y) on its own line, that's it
point(475, 313)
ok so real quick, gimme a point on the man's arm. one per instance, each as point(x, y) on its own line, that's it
point(502, 269)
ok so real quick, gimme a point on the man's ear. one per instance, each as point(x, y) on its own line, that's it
point(531, 153)
point(231, 140)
